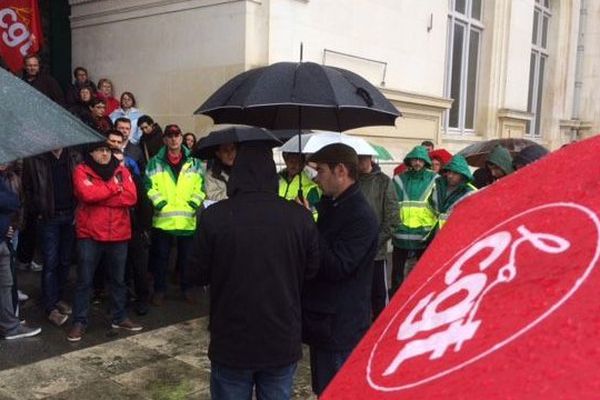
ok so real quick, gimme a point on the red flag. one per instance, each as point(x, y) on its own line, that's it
point(504, 303)
point(20, 31)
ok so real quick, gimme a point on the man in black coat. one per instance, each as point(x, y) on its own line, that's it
point(337, 303)
point(44, 82)
point(255, 250)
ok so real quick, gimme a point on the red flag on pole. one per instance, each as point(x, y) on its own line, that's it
point(504, 304)
point(20, 31)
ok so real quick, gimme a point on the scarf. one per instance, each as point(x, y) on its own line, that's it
point(105, 171)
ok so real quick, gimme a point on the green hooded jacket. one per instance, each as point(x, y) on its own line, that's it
point(419, 152)
point(442, 200)
point(501, 158)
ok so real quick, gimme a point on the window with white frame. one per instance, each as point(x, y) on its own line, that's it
point(462, 59)
point(538, 63)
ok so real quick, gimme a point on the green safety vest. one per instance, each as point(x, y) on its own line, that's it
point(443, 216)
point(181, 197)
point(417, 217)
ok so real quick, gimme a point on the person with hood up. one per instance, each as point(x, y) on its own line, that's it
point(528, 155)
point(499, 162)
point(453, 186)
point(255, 250)
point(417, 218)
point(105, 192)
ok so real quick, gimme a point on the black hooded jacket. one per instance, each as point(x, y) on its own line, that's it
point(255, 250)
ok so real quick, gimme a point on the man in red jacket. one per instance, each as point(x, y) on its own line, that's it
point(105, 191)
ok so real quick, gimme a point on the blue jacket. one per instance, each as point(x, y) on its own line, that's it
point(9, 203)
point(336, 304)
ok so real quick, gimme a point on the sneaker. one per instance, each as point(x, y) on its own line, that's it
point(23, 331)
point(158, 299)
point(64, 308)
point(22, 296)
point(57, 318)
point(128, 325)
point(35, 267)
point(76, 332)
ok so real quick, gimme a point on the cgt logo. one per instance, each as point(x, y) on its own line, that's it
point(489, 294)
point(15, 32)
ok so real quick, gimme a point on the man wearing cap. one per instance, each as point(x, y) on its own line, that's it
point(337, 303)
point(174, 186)
point(417, 218)
point(105, 191)
point(293, 177)
point(454, 185)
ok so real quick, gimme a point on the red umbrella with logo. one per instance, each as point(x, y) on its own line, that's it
point(504, 304)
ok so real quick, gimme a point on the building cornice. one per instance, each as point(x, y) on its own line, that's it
point(441, 103)
point(509, 113)
point(97, 12)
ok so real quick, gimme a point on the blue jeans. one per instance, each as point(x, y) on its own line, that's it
point(90, 253)
point(324, 364)
point(238, 384)
point(57, 236)
point(159, 259)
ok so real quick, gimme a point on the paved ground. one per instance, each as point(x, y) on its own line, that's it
point(166, 363)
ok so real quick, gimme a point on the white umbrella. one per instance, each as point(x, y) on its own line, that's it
point(313, 142)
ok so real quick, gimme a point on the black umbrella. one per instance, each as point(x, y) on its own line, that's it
point(290, 95)
point(205, 149)
point(477, 153)
point(33, 124)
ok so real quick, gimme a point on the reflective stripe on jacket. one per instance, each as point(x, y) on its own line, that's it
point(417, 217)
point(175, 200)
point(310, 190)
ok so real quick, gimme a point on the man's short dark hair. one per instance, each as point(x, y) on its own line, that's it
point(115, 133)
point(77, 69)
point(29, 56)
point(428, 143)
point(145, 119)
point(351, 167)
point(95, 101)
point(123, 119)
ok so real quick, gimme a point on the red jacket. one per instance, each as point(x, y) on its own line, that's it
point(102, 213)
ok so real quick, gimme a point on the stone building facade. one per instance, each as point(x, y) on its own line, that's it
point(461, 71)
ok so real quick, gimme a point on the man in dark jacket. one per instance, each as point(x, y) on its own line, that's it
point(48, 188)
point(151, 140)
point(337, 303)
point(43, 82)
point(379, 192)
point(255, 250)
point(81, 80)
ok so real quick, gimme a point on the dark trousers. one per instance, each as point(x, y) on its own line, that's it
point(159, 260)
point(8, 320)
point(28, 239)
point(399, 258)
point(238, 384)
point(90, 252)
point(57, 237)
point(137, 264)
point(379, 289)
point(324, 364)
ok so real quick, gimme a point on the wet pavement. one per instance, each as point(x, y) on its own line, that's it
point(167, 360)
point(165, 363)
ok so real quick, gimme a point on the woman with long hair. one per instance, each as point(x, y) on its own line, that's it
point(128, 110)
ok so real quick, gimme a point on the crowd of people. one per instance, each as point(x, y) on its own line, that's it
point(292, 256)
